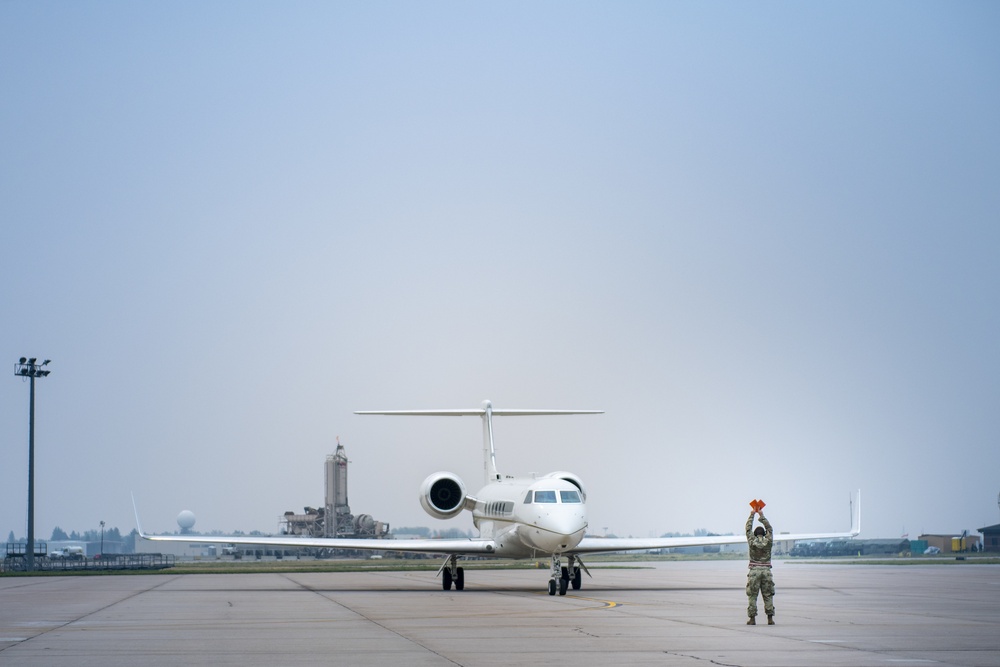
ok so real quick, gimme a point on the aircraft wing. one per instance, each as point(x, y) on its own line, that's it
point(593, 545)
point(462, 547)
point(467, 546)
point(472, 546)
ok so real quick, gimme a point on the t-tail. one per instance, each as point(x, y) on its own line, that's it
point(487, 412)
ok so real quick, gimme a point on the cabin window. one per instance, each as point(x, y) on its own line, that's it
point(498, 508)
point(527, 498)
point(570, 496)
point(545, 496)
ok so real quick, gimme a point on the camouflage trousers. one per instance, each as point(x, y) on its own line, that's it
point(759, 579)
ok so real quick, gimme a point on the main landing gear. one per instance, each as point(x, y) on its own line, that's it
point(451, 573)
point(564, 576)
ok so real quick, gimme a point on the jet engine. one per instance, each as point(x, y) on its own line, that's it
point(571, 478)
point(442, 495)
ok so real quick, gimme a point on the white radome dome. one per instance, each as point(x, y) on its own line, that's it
point(186, 520)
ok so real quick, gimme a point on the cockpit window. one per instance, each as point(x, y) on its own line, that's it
point(545, 496)
point(527, 498)
point(569, 496)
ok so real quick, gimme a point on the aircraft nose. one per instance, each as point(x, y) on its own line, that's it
point(559, 532)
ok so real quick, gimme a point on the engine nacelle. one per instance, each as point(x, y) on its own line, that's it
point(442, 495)
point(571, 478)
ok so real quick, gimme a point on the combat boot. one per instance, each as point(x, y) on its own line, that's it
point(752, 621)
point(770, 619)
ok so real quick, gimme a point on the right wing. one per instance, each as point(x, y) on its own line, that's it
point(462, 547)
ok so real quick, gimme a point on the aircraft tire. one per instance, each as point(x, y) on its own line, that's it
point(577, 579)
point(552, 586)
point(460, 579)
point(563, 585)
point(446, 579)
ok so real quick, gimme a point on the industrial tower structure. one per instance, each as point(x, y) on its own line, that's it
point(334, 519)
point(337, 506)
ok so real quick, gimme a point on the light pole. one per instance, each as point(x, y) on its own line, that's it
point(102, 541)
point(28, 368)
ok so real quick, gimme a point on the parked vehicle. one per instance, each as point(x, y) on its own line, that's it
point(67, 553)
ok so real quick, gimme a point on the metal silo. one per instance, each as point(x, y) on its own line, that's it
point(338, 512)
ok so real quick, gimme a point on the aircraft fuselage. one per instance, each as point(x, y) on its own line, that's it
point(529, 517)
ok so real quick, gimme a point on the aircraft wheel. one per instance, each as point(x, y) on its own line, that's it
point(565, 573)
point(552, 586)
point(563, 585)
point(446, 579)
point(460, 579)
point(577, 579)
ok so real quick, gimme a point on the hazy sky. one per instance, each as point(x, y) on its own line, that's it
point(764, 237)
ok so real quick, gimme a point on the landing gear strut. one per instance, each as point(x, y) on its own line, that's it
point(451, 573)
point(575, 572)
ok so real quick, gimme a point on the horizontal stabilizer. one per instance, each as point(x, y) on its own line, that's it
point(487, 412)
point(477, 412)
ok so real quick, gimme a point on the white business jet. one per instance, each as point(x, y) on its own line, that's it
point(517, 517)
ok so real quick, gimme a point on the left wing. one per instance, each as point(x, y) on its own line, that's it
point(593, 545)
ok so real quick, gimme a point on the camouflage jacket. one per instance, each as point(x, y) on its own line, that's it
point(760, 547)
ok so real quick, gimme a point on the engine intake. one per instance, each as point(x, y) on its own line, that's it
point(442, 495)
point(571, 478)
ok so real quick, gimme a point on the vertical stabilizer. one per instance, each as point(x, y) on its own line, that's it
point(489, 452)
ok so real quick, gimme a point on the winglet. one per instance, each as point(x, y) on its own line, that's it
point(856, 517)
point(138, 525)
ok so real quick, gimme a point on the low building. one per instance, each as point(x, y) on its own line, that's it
point(178, 549)
point(946, 542)
point(991, 537)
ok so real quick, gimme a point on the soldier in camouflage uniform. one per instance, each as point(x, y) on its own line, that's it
point(759, 578)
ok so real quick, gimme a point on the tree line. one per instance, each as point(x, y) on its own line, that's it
point(60, 535)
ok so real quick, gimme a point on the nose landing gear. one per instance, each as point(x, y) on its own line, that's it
point(564, 576)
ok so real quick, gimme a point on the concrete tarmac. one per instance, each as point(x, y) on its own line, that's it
point(668, 613)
